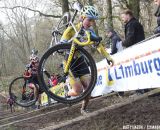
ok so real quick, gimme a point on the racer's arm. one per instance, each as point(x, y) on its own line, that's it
point(29, 74)
point(100, 47)
point(28, 71)
point(102, 50)
point(67, 35)
point(94, 37)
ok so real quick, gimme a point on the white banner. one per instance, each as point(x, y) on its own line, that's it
point(137, 67)
point(102, 79)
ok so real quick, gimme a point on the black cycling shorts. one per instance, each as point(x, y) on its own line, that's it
point(79, 67)
point(34, 79)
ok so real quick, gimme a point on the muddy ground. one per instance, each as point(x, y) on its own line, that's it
point(138, 115)
point(61, 115)
point(142, 115)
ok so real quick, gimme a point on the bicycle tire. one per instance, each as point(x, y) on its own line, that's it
point(61, 26)
point(92, 68)
point(66, 17)
point(12, 95)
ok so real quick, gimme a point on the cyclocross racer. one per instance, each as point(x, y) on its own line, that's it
point(82, 77)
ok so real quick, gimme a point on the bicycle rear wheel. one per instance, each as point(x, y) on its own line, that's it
point(61, 26)
point(82, 65)
point(20, 92)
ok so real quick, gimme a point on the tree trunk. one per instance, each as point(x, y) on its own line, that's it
point(3, 69)
point(109, 13)
point(65, 7)
point(134, 5)
point(90, 2)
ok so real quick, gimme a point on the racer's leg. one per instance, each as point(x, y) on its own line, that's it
point(39, 95)
point(85, 80)
point(33, 87)
point(83, 72)
point(76, 87)
point(79, 69)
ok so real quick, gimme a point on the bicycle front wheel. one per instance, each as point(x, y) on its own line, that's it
point(20, 92)
point(82, 67)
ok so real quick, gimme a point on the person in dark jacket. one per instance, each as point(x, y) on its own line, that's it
point(157, 14)
point(134, 31)
point(115, 41)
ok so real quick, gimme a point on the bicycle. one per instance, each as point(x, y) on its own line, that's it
point(21, 93)
point(56, 55)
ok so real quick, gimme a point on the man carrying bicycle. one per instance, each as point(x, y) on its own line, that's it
point(81, 79)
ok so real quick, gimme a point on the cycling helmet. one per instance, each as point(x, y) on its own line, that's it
point(90, 12)
point(34, 58)
point(34, 51)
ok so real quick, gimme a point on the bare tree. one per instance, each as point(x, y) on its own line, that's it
point(133, 5)
point(90, 2)
point(65, 6)
point(33, 10)
point(109, 13)
point(2, 54)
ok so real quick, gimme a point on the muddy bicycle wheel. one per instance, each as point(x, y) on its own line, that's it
point(20, 92)
point(81, 65)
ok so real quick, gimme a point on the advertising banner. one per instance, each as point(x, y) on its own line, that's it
point(137, 67)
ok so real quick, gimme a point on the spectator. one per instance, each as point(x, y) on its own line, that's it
point(116, 43)
point(157, 14)
point(134, 32)
point(53, 80)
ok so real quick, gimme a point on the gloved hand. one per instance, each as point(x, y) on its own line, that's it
point(96, 39)
point(110, 61)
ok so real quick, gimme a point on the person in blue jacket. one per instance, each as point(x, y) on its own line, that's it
point(116, 42)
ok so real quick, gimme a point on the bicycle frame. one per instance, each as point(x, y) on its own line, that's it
point(75, 41)
point(73, 47)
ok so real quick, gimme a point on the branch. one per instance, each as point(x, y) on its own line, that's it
point(126, 3)
point(122, 3)
point(40, 13)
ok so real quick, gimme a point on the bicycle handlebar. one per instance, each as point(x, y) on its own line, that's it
point(88, 42)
